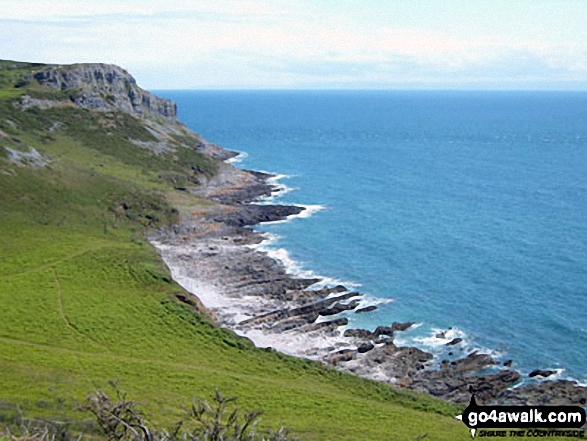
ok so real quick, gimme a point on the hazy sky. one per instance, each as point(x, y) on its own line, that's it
point(188, 44)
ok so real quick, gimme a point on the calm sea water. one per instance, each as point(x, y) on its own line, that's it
point(467, 209)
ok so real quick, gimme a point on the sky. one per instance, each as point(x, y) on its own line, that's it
point(319, 44)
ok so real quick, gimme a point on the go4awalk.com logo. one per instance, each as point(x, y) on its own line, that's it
point(524, 421)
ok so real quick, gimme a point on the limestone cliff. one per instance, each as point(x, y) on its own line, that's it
point(103, 87)
point(107, 88)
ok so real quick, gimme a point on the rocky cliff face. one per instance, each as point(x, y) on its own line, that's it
point(104, 87)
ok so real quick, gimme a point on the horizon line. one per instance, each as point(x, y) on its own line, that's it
point(351, 89)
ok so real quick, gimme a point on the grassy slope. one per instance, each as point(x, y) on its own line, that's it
point(84, 298)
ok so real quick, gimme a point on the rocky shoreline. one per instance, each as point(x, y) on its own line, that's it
point(214, 253)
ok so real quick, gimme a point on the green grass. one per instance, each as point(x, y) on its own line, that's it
point(84, 298)
point(11, 74)
point(81, 306)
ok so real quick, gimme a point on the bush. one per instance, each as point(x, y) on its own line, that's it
point(120, 419)
point(222, 421)
point(37, 430)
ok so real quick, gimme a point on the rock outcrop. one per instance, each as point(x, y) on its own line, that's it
point(103, 87)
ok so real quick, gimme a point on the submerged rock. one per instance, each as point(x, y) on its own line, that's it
point(366, 309)
point(395, 326)
point(542, 373)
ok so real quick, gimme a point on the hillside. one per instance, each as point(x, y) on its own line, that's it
point(89, 164)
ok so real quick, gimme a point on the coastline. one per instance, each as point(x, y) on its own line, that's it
point(216, 255)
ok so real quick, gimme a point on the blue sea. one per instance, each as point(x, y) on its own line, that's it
point(462, 210)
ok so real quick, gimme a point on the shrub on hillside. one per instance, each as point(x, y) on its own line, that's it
point(119, 419)
point(220, 420)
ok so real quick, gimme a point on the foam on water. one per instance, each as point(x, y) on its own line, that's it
point(279, 189)
point(308, 211)
point(295, 268)
point(238, 158)
point(432, 341)
point(437, 346)
point(293, 343)
point(558, 374)
point(370, 300)
point(275, 178)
